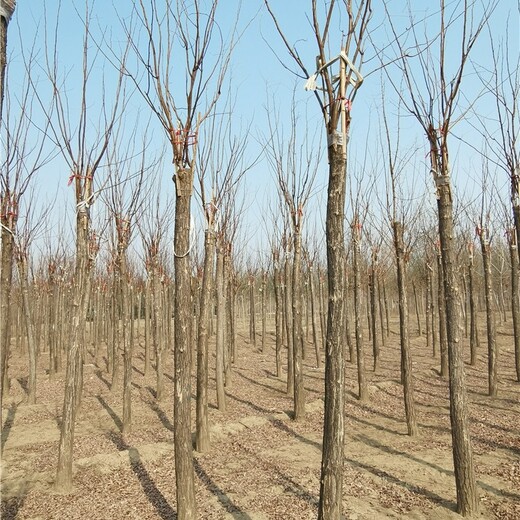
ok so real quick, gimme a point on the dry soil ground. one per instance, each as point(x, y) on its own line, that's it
point(262, 464)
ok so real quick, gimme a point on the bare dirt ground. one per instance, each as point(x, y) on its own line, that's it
point(262, 464)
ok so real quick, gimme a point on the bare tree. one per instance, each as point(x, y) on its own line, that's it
point(432, 96)
point(335, 100)
point(158, 35)
point(295, 164)
point(397, 214)
point(83, 150)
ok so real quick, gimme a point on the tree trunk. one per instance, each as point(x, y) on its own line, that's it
point(373, 314)
point(331, 481)
point(221, 327)
point(314, 319)
point(467, 493)
point(29, 324)
point(362, 385)
point(443, 334)
point(406, 355)
point(473, 335)
point(515, 300)
point(202, 439)
point(8, 221)
point(417, 310)
point(252, 325)
point(264, 310)
point(74, 369)
point(184, 471)
point(278, 313)
point(288, 326)
point(297, 296)
point(490, 316)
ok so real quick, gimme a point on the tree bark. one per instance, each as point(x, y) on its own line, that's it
point(202, 439)
point(515, 300)
point(331, 481)
point(184, 471)
point(29, 325)
point(221, 327)
point(407, 376)
point(362, 385)
point(297, 292)
point(490, 316)
point(443, 334)
point(74, 369)
point(467, 492)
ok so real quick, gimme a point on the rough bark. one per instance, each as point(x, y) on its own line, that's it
point(515, 300)
point(278, 313)
point(356, 238)
point(29, 325)
point(297, 296)
point(184, 471)
point(288, 325)
point(8, 215)
point(373, 312)
point(467, 492)
point(331, 481)
point(74, 369)
point(407, 376)
point(441, 305)
point(202, 438)
point(221, 326)
point(490, 316)
point(314, 318)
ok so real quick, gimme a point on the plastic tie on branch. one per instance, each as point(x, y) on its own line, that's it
point(310, 84)
point(354, 77)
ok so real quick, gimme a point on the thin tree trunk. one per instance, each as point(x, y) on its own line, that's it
point(490, 317)
point(362, 385)
point(252, 325)
point(515, 300)
point(407, 376)
point(264, 310)
point(29, 324)
point(443, 334)
point(202, 438)
point(473, 336)
point(288, 327)
point(314, 319)
point(278, 316)
point(221, 303)
point(417, 310)
point(299, 388)
point(373, 313)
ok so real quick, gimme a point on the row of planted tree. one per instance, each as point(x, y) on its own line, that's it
point(126, 309)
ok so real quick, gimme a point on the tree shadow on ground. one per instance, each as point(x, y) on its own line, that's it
point(255, 382)
point(152, 492)
point(436, 499)
point(99, 375)
point(221, 496)
point(115, 417)
point(8, 424)
point(11, 507)
point(392, 451)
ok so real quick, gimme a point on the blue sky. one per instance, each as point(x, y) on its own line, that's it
point(257, 75)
